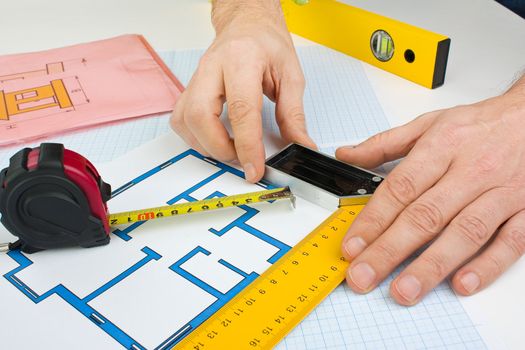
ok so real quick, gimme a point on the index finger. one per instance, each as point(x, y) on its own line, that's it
point(244, 96)
point(420, 170)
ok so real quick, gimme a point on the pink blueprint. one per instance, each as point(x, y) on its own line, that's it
point(44, 93)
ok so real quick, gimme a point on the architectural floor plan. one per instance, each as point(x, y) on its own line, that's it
point(157, 281)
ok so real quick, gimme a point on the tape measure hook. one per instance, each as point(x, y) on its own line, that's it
point(285, 193)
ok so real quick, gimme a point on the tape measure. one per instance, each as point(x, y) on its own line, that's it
point(200, 206)
point(271, 306)
point(52, 197)
point(413, 53)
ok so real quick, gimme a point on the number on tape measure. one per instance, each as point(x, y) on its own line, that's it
point(272, 305)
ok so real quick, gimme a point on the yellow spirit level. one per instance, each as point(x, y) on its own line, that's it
point(413, 53)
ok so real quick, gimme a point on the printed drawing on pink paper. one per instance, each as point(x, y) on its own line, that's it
point(53, 91)
point(59, 96)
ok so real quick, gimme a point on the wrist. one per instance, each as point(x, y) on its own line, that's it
point(226, 13)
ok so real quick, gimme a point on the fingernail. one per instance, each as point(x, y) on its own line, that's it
point(470, 281)
point(409, 287)
point(363, 275)
point(354, 246)
point(250, 173)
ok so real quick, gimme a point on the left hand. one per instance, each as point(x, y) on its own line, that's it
point(460, 187)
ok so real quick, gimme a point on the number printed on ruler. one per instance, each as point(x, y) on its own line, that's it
point(269, 308)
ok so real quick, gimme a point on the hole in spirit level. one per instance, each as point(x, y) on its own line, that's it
point(410, 56)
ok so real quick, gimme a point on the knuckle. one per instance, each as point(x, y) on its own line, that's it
point(435, 265)
point(387, 253)
point(377, 139)
point(426, 217)
point(497, 267)
point(295, 115)
point(176, 121)
point(373, 220)
point(473, 230)
point(176, 116)
point(400, 187)
point(177, 128)
point(238, 109)
point(487, 163)
point(517, 182)
point(515, 241)
point(206, 59)
point(449, 135)
point(195, 113)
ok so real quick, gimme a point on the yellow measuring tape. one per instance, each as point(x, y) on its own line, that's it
point(270, 307)
point(199, 206)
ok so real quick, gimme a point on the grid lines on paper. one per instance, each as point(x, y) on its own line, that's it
point(346, 320)
point(104, 142)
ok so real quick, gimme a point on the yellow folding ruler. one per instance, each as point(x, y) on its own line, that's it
point(271, 306)
point(413, 53)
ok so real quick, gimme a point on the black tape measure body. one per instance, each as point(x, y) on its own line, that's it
point(51, 197)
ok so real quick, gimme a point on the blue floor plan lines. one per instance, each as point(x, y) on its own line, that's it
point(182, 270)
point(81, 304)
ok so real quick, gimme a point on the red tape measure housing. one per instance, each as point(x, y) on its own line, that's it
point(84, 174)
point(52, 197)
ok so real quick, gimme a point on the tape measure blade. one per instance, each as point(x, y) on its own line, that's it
point(261, 315)
point(199, 206)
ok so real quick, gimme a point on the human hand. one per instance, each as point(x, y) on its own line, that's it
point(460, 187)
point(252, 54)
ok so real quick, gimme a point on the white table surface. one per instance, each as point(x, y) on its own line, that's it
point(487, 54)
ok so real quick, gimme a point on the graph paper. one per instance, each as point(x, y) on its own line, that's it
point(341, 107)
point(346, 320)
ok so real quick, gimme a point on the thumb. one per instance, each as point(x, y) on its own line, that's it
point(289, 111)
point(386, 146)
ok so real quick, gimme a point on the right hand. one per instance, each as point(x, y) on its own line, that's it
point(252, 55)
